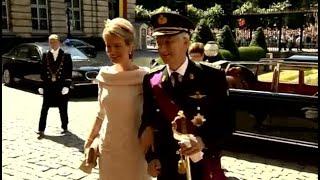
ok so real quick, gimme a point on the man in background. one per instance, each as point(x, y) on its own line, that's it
point(56, 73)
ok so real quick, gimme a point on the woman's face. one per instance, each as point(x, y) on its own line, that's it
point(116, 48)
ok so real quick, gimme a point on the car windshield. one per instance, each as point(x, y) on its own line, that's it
point(76, 54)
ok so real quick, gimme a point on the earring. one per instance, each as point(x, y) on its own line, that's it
point(130, 55)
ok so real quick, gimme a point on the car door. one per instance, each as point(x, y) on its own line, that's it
point(268, 114)
point(33, 64)
point(278, 117)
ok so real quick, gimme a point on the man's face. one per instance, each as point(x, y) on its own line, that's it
point(172, 48)
point(196, 56)
point(54, 44)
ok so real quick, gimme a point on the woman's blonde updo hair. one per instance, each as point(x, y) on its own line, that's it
point(119, 27)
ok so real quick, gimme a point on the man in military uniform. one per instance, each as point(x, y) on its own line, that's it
point(198, 92)
point(56, 76)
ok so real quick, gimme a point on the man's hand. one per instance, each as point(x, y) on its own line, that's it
point(64, 90)
point(154, 167)
point(40, 90)
point(194, 145)
point(146, 140)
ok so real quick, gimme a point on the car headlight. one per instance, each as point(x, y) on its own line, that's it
point(76, 74)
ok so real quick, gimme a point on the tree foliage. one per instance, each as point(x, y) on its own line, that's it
point(249, 7)
point(141, 13)
point(259, 39)
point(213, 16)
point(202, 33)
point(226, 41)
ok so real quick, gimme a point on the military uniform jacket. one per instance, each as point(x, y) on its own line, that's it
point(55, 75)
point(202, 91)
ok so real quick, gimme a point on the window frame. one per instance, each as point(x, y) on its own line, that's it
point(38, 18)
point(5, 3)
point(73, 20)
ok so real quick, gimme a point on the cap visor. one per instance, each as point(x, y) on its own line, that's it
point(162, 33)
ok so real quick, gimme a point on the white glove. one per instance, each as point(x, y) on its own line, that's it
point(40, 90)
point(64, 91)
point(196, 156)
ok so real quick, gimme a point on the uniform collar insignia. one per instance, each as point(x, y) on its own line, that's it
point(198, 95)
point(191, 76)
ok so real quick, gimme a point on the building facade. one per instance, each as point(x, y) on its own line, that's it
point(33, 20)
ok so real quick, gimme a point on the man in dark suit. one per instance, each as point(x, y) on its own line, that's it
point(56, 76)
point(197, 90)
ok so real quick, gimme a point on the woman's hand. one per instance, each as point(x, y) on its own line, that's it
point(146, 139)
point(154, 167)
point(87, 143)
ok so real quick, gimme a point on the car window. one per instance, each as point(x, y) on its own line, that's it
point(289, 76)
point(23, 52)
point(34, 52)
point(265, 73)
point(77, 43)
point(76, 55)
point(13, 52)
point(311, 77)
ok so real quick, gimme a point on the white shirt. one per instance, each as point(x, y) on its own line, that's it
point(55, 53)
point(181, 70)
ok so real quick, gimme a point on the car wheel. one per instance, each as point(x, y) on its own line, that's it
point(7, 77)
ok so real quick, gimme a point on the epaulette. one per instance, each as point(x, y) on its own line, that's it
point(157, 68)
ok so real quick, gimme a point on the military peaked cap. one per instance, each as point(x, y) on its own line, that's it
point(167, 23)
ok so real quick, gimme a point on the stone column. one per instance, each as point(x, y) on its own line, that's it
point(58, 17)
point(131, 14)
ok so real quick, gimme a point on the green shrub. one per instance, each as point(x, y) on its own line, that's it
point(251, 53)
point(226, 41)
point(202, 33)
point(259, 39)
point(225, 54)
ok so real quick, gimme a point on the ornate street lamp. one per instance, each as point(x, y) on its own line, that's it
point(68, 13)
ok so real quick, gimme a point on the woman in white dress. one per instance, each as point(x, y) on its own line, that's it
point(120, 101)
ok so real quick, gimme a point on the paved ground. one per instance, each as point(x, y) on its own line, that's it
point(57, 157)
